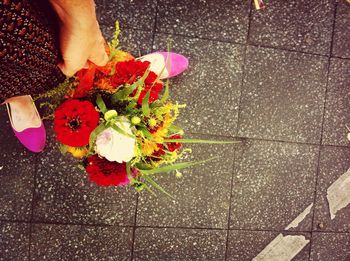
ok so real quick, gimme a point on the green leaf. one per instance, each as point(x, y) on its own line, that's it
point(128, 172)
point(140, 84)
point(174, 129)
point(157, 186)
point(113, 70)
point(142, 166)
point(123, 93)
point(120, 130)
point(176, 166)
point(149, 189)
point(81, 167)
point(131, 106)
point(166, 92)
point(200, 141)
point(145, 132)
point(145, 104)
point(63, 148)
point(101, 104)
point(94, 135)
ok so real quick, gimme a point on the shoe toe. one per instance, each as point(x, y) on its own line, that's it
point(178, 63)
point(33, 139)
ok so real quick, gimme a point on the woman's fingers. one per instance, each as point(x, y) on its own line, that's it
point(70, 66)
point(99, 56)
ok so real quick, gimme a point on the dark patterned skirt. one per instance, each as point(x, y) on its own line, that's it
point(29, 51)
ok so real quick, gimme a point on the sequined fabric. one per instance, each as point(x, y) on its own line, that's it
point(28, 48)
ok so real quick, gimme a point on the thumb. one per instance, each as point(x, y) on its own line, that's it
point(69, 68)
point(99, 57)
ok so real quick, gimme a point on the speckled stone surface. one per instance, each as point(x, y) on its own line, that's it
point(334, 162)
point(165, 244)
point(202, 195)
point(262, 80)
point(17, 167)
point(225, 20)
point(273, 183)
point(136, 14)
point(14, 241)
point(245, 245)
point(283, 95)
point(337, 116)
point(64, 194)
point(302, 25)
point(210, 87)
point(330, 246)
point(136, 42)
point(341, 43)
point(60, 242)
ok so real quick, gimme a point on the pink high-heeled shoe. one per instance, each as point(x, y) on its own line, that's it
point(33, 138)
point(166, 64)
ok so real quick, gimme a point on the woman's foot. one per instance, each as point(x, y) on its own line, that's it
point(26, 122)
point(166, 64)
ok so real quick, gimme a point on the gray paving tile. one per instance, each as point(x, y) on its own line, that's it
point(136, 42)
point(330, 247)
point(337, 116)
point(334, 162)
point(245, 245)
point(60, 242)
point(64, 194)
point(221, 20)
point(211, 85)
point(341, 41)
point(301, 25)
point(14, 241)
point(17, 167)
point(202, 195)
point(283, 95)
point(272, 184)
point(179, 244)
point(136, 14)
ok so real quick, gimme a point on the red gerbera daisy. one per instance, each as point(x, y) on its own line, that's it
point(106, 173)
point(129, 72)
point(74, 121)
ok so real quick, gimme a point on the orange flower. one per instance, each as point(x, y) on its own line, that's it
point(104, 84)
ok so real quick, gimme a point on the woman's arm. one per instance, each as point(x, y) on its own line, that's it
point(81, 39)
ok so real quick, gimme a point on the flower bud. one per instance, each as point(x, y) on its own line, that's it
point(111, 114)
point(135, 120)
point(178, 174)
point(152, 122)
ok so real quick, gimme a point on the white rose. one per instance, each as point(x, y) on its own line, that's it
point(115, 146)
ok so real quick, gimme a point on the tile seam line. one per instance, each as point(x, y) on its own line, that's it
point(178, 228)
point(231, 42)
point(36, 167)
point(234, 165)
point(322, 124)
point(154, 29)
point(247, 44)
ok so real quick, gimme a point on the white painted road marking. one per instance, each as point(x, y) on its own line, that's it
point(338, 194)
point(300, 217)
point(282, 248)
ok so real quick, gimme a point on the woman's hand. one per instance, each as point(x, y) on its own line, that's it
point(81, 39)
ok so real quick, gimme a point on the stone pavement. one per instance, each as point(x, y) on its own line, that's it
point(277, 79)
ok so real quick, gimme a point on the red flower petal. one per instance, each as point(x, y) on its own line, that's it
point(106, 173)
point(74, 121)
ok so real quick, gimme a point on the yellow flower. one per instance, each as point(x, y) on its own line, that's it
point(148, 147)
point(77, 152)
point(152, 122)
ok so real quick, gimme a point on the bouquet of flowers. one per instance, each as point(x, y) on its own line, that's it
point(119, 121)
